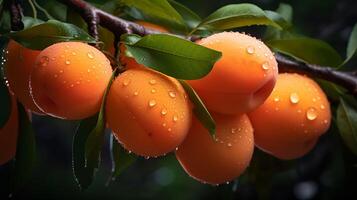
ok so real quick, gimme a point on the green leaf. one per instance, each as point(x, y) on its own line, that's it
point(83, 173)
point(159, 12)
point(5, 20)
point(277, 18)
point(286, 11)
point(41, 36)
point(174, 56)
point(191, 18)
point(120, 157)
point(30, 22)
point(5, 99)
point(96, 137)
point(88, 143)
point(309, 50)
point(237, 15)
point(200, 109)
point(352, 45)
point(25, 151)
point(130, 39)
point(347, 124)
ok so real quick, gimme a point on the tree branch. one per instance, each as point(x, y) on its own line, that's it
point(15, 15)
point(94, 17)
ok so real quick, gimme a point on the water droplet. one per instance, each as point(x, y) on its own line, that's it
point(172, 94)
point(176, 149)
point(276, 99)
point(147, 157)
point(74, 53)
point(311, 114)
point(126, 82)
point(88, 70)
point(294, 98)
point(153, 91)
point(44, 60)
point(314, 99)
point(234, 130)
point(164, 124)
point(265, 66)
point(68, 62)
point(152, 82)
point(152, 103)
point(78, 82)
point(175, 118)
point(164, 111)
point(61, 71)
point(299, 111)
point(322, 107)
point(72, 85)
point(136, 93)
point(90, 55)
point(250, 50)
point(229, 144)
point(325, 121)
point(169, 129)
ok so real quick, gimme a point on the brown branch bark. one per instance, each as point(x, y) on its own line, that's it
point(15, 15)
point(94, 17)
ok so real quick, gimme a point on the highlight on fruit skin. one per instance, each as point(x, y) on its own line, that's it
point(18, 66)
point(8, 134)
point(69, 80)
point(292, 119)
point(149, 112)
point(242, 79)
point(220, 161)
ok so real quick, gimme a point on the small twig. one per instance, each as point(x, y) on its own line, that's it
point(345, 79)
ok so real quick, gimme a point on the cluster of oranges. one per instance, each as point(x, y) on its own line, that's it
point(151, 115)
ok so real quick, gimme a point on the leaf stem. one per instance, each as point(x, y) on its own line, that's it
point(34, 11)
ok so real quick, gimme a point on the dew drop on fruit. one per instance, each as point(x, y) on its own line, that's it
point(164, 124)
point(229, 144)
point(322, 107)
point(311, 114)
point(89, 70)
point(163, 111)
point(265, 66)
point(294, 98)
point(126, 82)
point(136, 93)
point(152, 82)
point(153, 91)
point(250, 50)
point(169, 129)
point(152, 103)
point(325, 121)
point(61, 71)
point(68, 62)
point(44, 60)
point(276, 99)
point(172, 94)
point(90, 55)
point(175, 118)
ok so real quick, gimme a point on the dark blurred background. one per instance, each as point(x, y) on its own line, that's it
point(328, 172)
